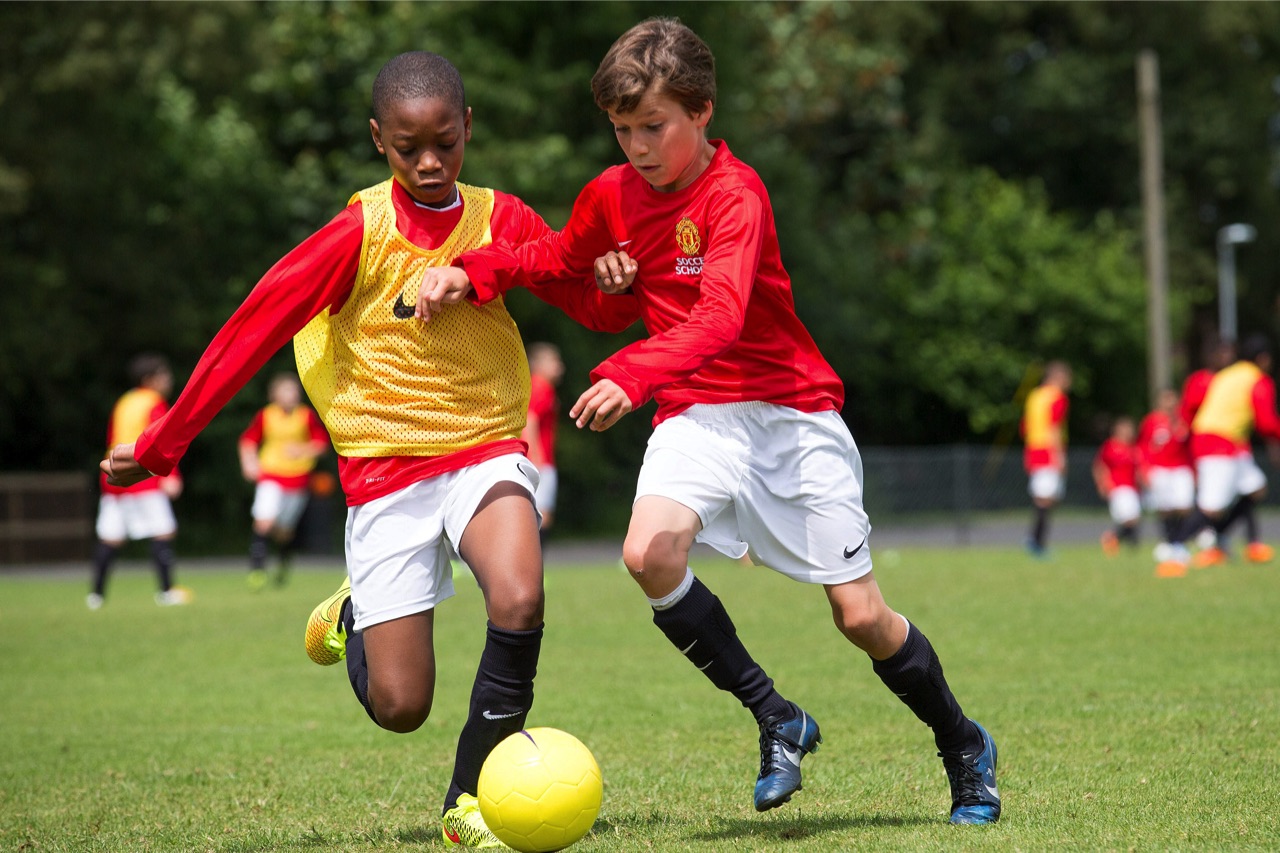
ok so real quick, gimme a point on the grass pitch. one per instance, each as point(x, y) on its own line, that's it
point(1130, 713)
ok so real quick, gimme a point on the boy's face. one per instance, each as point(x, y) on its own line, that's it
point(423, 140)
point(665, 144)
point(285, 394)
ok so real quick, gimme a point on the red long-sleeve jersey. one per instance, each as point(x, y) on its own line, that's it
point(1163, 441)
point(712, 291)
point(318, 275)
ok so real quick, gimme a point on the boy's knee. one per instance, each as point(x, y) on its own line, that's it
point(401, 713)
point(648, 556)
point(519, 610)
point(862, 624)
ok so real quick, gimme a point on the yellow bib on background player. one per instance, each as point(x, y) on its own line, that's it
point(1227, 409)
point(389, 385)
point(282, 431)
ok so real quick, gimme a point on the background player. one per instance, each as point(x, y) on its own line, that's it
point(749, 453)
point(141, 510)
point(1164, 449)
point(1044, 431)
point(1240, 400)
point(278, 451)
point(425, 419)
point(1115, 473)
point(546, 369)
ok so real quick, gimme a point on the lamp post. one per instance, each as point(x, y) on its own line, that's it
point(1228, 237)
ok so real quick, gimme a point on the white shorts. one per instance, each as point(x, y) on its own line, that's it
point(141, 515)
point(548, 486)
point(780, 485)
point(399, 547)
point(282, 507)
point(1124, 504)
point(1171, 489)
point(1046, 484)
point(1222, 479)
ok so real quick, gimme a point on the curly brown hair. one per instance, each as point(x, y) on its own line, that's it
point(660, 54)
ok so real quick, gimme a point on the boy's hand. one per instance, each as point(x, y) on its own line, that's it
point(615, 271)
point(600, 406)
point(440, 286)
point(121, 468)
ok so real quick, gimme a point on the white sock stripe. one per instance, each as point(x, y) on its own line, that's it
point(673, 597)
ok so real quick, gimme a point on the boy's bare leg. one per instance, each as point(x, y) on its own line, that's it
point(501, 546)
point(396, 661)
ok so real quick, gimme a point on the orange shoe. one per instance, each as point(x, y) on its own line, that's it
point(1214, 556)
point(1259, 552)
point(1171, 569)
point(1110, 544)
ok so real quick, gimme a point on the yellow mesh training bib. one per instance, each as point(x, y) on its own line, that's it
point(282, 432)
point(1227, 409)
point(132, 414)
point(1038, 416)
point(387, 386)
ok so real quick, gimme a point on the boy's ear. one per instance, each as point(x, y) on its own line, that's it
point(703, 117)
point(377, 135)
point(466, 125)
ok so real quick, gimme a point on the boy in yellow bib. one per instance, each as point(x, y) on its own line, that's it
point(425, 419)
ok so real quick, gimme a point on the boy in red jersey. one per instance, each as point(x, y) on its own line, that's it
point(1240, 401)
point(141, 510)
point(1115, 473)
point(749, 452)
point(278, 451)
point(1163, 447)
point(546, 369)
point(425, 419)
point(1044, 432)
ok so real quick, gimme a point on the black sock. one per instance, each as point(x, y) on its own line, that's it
point(1040, 527)
point(258, 550)
point(1190, 526)
point(1241, 509)
point(162, 554)
point(914, 674)
point(1127, 533)
point(700, 628)
point(357, 665)
point(500, 701)
point(1169, 524)
point(103, 556)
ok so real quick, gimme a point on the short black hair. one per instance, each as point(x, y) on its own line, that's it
point(417, 74)
point(146, 365)
point(1254, 346)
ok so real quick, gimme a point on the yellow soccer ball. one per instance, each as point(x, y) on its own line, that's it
point(540, 790)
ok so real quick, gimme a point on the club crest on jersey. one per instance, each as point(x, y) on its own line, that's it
point(689, 241)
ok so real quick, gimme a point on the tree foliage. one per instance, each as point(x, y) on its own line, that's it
point(956, 187)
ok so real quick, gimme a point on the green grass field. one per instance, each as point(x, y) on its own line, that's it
point(1130, 712)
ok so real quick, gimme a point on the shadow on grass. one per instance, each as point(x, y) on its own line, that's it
point(792, 827)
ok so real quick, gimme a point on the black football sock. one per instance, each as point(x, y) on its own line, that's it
point(103, 556)
point(258, 550)
point(500, 701)
point(1170, 526)
point(1040, 527)
point(1191, 525)
point(700, 628)
point(914, 674)
point(164, 557)
point(1242, 509)
point(1127, 533)
point(357, 664)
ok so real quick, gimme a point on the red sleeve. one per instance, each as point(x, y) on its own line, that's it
point(1266, 422)
point(318, 432)
point(316, 276)
point(1058, 411)
point(735, 235)
point(253, 433)
point(516, 224)
point(540, 255)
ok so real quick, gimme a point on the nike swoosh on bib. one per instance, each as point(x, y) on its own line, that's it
point(401, 310)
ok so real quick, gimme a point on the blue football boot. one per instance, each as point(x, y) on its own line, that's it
point(974, 798)
point(782, 746)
